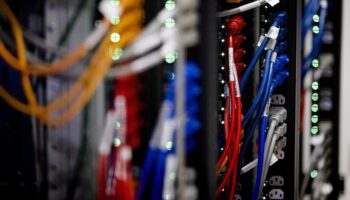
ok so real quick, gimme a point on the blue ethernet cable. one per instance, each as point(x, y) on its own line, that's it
point(147, 171)
point(279, 78)
point(157, 186)
point(262, 88)
point(260, 109)
point(155, 162)
point(281, 61)
point(281, 47)
point(262, 136)
point(252, 63)
point(279, 20)
point(264, 107)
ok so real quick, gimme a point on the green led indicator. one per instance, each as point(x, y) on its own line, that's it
point(222, 82)
point(222, 68)
point(170, 5)
point(315, 63)
point(315, 85)
point(316, 29)
point(169, 23)
point(169, 145)
point(172, 175)
point(313, 173)
point(314, 130)
point(315, 96)
point(314, 108)
point(117, 125)
point(115, 20)
point(117, 142)
point(314, 119)
point(170, 58)
point(223, 26)
point(222, 95)
point(115, 37)
point(316, 18)
point(117, 54)
point(222, 54)
point(223, 40)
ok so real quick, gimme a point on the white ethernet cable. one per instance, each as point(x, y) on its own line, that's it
point(152, 59)
point(152, 38)
point(246, 7)
point(149, 40)
point(158, 22)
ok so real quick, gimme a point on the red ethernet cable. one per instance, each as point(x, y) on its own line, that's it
point(111, 184)
point(235, 26)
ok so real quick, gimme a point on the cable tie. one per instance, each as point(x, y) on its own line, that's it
point(324, 4)
point(267, 108)
point(274, 57)
point(260, 40)
point(273, 32)
point(108, 131)
point(169, 181)
point(231, 64)
point(168, 130)
point(271, 44)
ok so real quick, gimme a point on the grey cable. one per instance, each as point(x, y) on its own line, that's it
point(180, 113)
point(268, 144)
point(269, 136)
point(241, 9)
point(267, 161)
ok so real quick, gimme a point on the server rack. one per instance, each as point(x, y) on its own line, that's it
point(287, 167)
point(325, 107)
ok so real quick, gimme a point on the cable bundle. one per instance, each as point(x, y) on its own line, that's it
point(69, 104)
point(274, 75)
point(155, 174)
point(233, 108)
point(133, 107)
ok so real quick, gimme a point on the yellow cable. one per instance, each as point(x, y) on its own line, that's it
point(21, 55)
point(60, 102)
point(69, 60)
point(97, 74)
point(93, 72)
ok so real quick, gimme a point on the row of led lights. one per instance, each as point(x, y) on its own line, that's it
point(222, 95)
point(315, 95)
point(222, 54)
